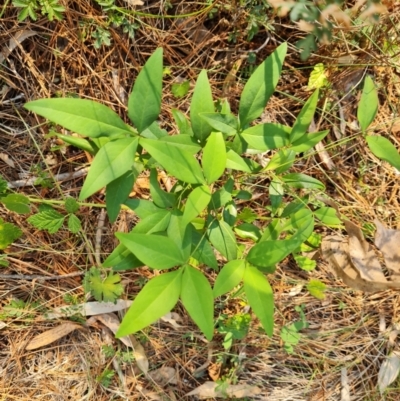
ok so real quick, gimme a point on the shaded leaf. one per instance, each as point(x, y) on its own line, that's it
point(267, 136)
point(17, 203)
point(222, 237)
point(178, 162)
point(112, 161)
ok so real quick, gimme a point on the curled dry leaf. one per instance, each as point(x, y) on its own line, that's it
point(18, 38)
point(52, 335)
point(210, 390)
point(389, 371)
point(355, 262)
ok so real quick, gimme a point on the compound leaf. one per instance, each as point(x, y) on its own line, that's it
point(107, 289)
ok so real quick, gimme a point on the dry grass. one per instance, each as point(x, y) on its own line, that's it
point(347, 330)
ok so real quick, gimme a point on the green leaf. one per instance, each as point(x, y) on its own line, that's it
point(368, 106)
point(236, 162)
point(229, 277)
point(316, 288)
point(179, 163)
point(225, 123)
point(16, 203)
point(156, 299)
point(222, 237)
point(180, 89)
point(202, 251)
point(267, 136)
point(276, 193)
point(74, 224)
point(269, 252)
point(247, 215)
point(327, 215)
point(298, 180)
point(71, 205)
point(318, 78)
point(143, 208)
point(182, 123)
point(260, 86)
point(107, 289)
point(305, 263)
point(8, 234)
point(222, 196)
point(202, 102)
point(117, 193)
point(248, 231)
point(307, 141)
point(80, 143)
point(281, 161)
point(122, 258)
point(156, 222)
point(155, 251)
point(160, 197)
point(153, 131)
point(198, 300)
point(49, 220)
point(180, 233)
point(304, 119)
point(260, 296)
point(144, 103)
point(196, 202)
point(84, 117)
point(214, 157)
point(384, 149)
point(184, 142)
point(112, 161)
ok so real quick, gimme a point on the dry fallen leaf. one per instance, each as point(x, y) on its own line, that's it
point(388, 241)
point(210, 390)
point(345, 391)
point(172, 318)
point(52, 335)
point(355, 262)
point(164, 375)
point(389, 371)
point(111, 321)
point(134, 2)
point(19, 37)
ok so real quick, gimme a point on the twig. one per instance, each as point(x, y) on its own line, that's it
point(57, 177)
point(99, 233)
point(38, 276)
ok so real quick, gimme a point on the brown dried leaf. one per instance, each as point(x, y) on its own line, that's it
point(335, 251)
point(111, 321)
point(388, 241)
point(209, 390)
point(362, 255)
point(52, 335)
point(18, 38)
point(164, 375)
